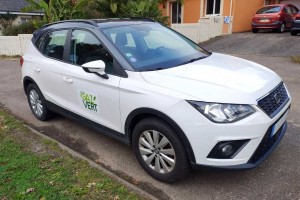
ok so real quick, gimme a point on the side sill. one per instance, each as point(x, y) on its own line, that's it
point(88, 123)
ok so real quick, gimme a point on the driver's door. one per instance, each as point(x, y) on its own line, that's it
point(89, 95)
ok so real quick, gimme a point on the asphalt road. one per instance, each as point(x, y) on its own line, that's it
point(276, 178)
point(262, 43)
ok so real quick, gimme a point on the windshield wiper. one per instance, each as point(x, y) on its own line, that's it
point(192, 60)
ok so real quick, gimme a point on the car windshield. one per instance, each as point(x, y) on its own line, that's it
point(269, 9)
point(152, 46)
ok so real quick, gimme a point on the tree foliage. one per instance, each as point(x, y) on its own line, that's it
point(6, 20)
point(131, 8)
point(56, 10)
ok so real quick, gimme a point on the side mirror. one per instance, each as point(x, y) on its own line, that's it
point(96, 67)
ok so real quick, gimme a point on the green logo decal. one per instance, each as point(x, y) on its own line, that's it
point(89, 101)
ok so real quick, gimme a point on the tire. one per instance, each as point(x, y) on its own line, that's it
point(255, 30)
point(37, 103)
point(281, 28)
point(293, 32)
point(173, 150)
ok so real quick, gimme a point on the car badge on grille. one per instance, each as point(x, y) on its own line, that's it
point(277, 98)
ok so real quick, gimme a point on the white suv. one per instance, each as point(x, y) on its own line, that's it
point(178, 105)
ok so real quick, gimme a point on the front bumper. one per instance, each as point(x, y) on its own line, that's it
point(263, 151)
point(296, 26)
point(203, 136)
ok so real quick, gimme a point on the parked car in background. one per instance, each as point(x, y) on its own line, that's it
point(277, 17)
point(296, 26)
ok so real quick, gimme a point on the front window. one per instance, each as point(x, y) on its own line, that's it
point(269, 9)
point(213, 7)
point(153, 46)
point(85, 47)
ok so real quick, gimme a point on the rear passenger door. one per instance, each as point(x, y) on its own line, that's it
point(89, 95)
point(49, 67)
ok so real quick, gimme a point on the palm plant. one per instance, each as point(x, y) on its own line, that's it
point(55, 10)
point(143, 8)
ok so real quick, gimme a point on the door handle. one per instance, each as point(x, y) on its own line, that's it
point(36, 69)
point(67, 79)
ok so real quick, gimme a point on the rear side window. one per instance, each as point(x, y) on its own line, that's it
point(53, 44)
point(39, 41)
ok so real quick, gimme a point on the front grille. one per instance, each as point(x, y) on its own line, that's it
point(265, 145)
point(274, 101)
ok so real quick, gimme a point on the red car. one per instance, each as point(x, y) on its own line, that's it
point(296, 27)
point(277, 17)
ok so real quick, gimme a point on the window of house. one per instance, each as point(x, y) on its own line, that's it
point(24, 20)
point(86, 47)
point(213, 7)
point(176, 13)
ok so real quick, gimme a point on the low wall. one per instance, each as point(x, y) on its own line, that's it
point(14, 45)
point(206, 29)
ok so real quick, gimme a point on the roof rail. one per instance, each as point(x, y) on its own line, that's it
point(143, 18)
point(122, 19)
point(91, 22)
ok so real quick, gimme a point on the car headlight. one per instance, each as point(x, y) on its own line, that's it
point(223, 113)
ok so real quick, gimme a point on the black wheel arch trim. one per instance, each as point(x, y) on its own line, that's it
point(164, 117)
point(27, 78)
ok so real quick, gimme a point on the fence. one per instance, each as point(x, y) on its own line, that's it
point(14, 45)
point(199, 32)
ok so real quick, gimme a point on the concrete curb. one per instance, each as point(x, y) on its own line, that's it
point(127, 184)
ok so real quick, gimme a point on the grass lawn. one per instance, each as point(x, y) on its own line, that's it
point(34, 168)
point(296, 59)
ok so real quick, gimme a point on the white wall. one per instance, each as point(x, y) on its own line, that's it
point(206, 29)
point(14, 45)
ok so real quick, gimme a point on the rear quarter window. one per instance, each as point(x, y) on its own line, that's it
point(52, 44)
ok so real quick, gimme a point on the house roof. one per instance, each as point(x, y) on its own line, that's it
point(13, 5)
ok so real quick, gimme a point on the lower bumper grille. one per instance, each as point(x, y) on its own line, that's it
point(265, 145)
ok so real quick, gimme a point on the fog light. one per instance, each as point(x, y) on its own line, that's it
point(227, 149)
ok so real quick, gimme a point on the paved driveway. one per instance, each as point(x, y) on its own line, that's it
point(262, 43)
point(276, 178)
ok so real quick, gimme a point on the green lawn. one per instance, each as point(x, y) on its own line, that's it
point(34, 168)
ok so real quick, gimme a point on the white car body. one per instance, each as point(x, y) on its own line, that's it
point(217, 78)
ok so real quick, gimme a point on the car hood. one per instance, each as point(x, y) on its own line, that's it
point(217, 78)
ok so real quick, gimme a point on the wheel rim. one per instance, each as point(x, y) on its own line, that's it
point(157, 151)
point(36, 103)
point(282, 27)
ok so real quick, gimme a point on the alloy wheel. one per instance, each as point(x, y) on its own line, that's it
point(282, 28)
point(157, 151)
point(36, 103)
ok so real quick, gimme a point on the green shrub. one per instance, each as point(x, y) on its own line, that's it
point(25, 28)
